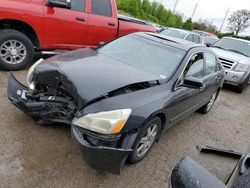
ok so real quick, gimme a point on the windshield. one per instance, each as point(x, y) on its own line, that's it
point(174, 33)
point(234, 45)
point(144, 55)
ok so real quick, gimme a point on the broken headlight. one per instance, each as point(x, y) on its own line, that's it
point(109, 122)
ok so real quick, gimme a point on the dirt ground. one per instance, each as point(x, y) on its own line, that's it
point(32, 155)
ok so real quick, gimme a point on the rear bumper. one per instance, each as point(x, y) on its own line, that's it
point(103, 158)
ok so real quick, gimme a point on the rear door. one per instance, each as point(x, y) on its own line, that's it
point(65, 28)
point(102, 22)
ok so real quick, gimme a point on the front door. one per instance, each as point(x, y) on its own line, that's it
point(186, 100)
point(66, 28)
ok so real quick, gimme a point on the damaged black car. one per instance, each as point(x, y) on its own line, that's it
point(120, 97)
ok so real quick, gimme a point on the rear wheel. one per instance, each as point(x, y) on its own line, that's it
point(145, 140)
point(207, 107)
point(16, 50)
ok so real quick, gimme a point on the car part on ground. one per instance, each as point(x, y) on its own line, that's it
point(116, 99)
point(223, 152)
point(188, 174)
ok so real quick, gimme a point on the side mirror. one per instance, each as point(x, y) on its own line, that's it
point(60, 4)
point(208, 44)
point(193, 83)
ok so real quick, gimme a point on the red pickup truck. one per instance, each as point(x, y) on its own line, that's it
point(27, 26)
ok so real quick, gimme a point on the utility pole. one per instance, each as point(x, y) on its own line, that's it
point(195, 8)
point(175, 5)
point(152, 7)
point(224, 19)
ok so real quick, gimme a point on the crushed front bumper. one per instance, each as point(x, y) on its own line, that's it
point(17, 96)
point(109, 159)
point(44, 109)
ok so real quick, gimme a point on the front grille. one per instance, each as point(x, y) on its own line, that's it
point(226, 63)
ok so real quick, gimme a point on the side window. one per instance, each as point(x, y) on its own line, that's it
point(77, 5)
point(196, 39)
point(189, 38)
point(101, 7)
point(211, 63)
point(195, 66)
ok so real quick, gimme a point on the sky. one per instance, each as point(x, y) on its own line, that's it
point(211, 10)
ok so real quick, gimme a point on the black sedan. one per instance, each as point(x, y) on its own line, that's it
point(120, 97)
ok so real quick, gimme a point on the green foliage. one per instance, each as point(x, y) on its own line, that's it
point(225, 34)
point(235, 36)
point(188, 25)
point(204, 25)
point(151, 11)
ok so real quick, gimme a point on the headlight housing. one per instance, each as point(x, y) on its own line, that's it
point(109, 122)
point(30, 71)
point(241, 67)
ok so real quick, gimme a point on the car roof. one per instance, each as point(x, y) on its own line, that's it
point(242, 40)
point(171, 41)
point(184, 30)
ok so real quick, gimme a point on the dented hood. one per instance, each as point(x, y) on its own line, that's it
point(88, 75)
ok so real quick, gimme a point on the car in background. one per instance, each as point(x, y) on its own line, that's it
point(234, 55)
point(44, 26)
point(209, 38)
point(183, 34)
point(120, 97)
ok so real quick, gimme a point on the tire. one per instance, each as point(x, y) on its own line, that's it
point(135, 156)
point(241, 87)
point(16, 50)
point(207, 107)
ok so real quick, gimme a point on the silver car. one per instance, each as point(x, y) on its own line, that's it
point(184, 34)
point(234, 55)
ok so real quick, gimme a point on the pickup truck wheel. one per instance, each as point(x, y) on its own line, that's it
point(145, 140)
point(16, 50)
point(207, 107)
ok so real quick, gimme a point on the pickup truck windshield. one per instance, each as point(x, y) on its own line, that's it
point(234, 45)
point(145, 55)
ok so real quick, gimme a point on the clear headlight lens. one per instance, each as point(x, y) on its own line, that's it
point(241, 68)
point(109, 122)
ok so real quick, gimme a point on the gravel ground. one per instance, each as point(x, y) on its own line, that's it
point(45, 156)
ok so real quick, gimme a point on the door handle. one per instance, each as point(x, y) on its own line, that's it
point(111, 24)
point(80, 19)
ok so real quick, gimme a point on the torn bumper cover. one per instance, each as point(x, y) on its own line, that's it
point(104, 158)
point(17, 96)
point(45, 109)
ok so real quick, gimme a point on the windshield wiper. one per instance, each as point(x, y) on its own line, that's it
point(236, 51)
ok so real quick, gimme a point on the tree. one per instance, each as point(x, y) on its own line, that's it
point(239, 21)
point(188, 24)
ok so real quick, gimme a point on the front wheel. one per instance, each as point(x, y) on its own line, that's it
point(145, 140)
point(241, 87)
point(16, 50)
point(207, 107)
